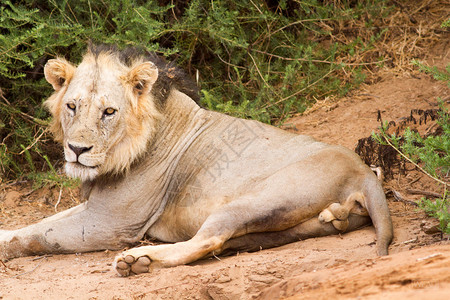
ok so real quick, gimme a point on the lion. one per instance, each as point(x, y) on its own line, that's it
point(153, 163)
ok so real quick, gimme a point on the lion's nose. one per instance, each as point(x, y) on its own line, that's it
point(79, 150)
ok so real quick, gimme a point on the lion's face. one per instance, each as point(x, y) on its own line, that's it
point(103, 112)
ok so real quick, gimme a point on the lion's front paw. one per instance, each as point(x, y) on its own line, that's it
point(126, 265)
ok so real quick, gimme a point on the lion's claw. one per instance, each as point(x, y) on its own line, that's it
point(129, 265)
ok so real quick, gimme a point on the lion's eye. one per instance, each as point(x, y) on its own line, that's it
point(109, 111)
point(71, 106)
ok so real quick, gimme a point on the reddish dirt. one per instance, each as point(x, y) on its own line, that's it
point(336, 266)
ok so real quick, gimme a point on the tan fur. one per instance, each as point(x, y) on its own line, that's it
point(338, 213)
point(153, 162)
point(141, 117)
point(58, 72)
point(54, 71)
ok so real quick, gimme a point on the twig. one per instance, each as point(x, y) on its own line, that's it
point(24, 115)
point(429, 256)
point(215, 256)
point(16, 182)
point(3, 97)
point(292, 59)
point(230, 64)
point(173, 11)
point(417, 166)
point(4, 265)
point(41, 257)
point(35, 141)
point(413, 181)
point(410, 241)
point(399, 197)
point(29, 193)
point(59, 199)
point(262, 77)
point(299, 91)
point(427, 132)
point(425, 193)
point(298, 22)
point(34, 269)
point(405, 10)
point(421, 6)
point(257, 8)
point(319, 61)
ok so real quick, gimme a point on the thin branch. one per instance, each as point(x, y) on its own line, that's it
point(399, 197)
point(298, 22)
point(319, 61)
point(292, 59)
point(37, 266)
point(24, 115)
point(230, 64)
point(4, 265)
point(425, 193)
point(262, 77)
point(3, 97)
point(415, 164)
point(299, 91)
point(59, 199)
point(35, 141)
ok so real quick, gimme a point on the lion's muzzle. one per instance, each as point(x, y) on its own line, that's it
point(79, 150)
point(82, 161)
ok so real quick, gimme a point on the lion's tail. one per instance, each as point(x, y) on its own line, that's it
point(379, 213)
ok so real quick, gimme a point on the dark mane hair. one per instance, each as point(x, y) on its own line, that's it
point(169, 75)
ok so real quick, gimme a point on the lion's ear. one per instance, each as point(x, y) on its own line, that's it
point(142, 77)
point(57, 72)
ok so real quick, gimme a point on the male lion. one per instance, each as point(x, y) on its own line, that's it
point(154, 163)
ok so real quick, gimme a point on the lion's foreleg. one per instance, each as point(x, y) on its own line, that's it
point(76, 230)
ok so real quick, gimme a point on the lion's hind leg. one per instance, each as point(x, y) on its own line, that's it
point(309, 229)
point(238, 218)
point(144, 259)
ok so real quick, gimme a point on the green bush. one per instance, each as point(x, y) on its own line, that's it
point(254, 59)
point(431, 152)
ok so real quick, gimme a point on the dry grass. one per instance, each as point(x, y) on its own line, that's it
point(409, 32)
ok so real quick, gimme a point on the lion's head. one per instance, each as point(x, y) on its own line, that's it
point(104, 110)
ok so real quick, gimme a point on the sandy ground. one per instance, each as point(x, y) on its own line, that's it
point(335, 267)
